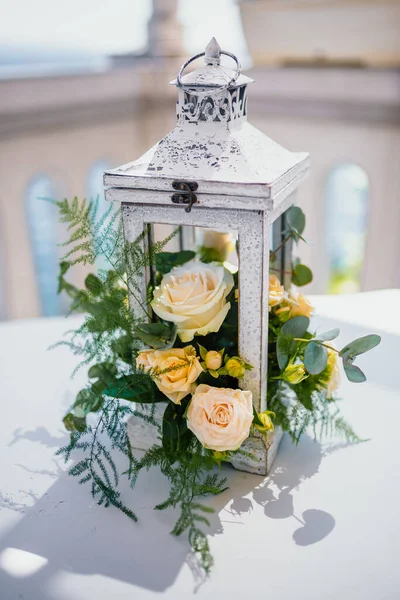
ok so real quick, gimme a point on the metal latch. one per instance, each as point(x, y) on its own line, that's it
point(185, 195)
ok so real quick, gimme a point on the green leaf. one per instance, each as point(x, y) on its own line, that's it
point(203, 351)
point(89, 400)
point(94, 284)
point(301, 275)
point(296, 219)
point(315, 358)
point(175, 434)
point(105, 371)
point(165, 261)
point(142, 393)
point(73, 423)
point(360, 345)
point(296, 327)
point(156, 335)
point(328, 336)
point(353, 373)
point(283, 349)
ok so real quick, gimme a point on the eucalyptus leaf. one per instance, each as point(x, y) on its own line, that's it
point(315, 358)
point(296, 219)
point(301, 275)
point(156, 335)
point(283, 349)
point(353, 373)
point(328, 336)
point(296, 327)
point(360, 345)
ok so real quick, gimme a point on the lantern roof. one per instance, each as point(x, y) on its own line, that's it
point(213, 144)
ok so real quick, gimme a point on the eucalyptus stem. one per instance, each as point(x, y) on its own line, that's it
point(317, 342)
point(279, 271)
point(287, 238)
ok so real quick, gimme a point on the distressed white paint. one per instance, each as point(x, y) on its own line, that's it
point(245, 182)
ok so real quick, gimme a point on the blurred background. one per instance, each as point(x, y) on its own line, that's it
point(84, 88)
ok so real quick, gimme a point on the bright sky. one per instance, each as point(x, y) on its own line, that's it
point(113, 26)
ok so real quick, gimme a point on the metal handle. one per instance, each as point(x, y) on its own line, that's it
point(221, 87)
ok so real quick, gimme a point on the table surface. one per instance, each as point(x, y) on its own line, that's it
point(323, 525)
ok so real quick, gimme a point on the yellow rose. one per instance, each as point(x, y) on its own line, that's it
point(294, 373)
point(266, 421)
point(334, 373)
point(276, 292)
point(220, 418)
point(174, 371)
point(300, 306)
point(213, 360)
point(235, 367)
point(194, 297)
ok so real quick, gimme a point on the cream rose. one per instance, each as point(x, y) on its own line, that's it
point(220, 418)
point(174, 371)
point(194, 297)
point(276, 291)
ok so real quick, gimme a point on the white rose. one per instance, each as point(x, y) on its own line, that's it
point(220, 418)
point(174, 371)
point(194, 297)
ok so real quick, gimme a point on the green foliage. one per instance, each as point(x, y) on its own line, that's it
point(191, 477)
point(296, 221)
point(285, 344)
point(315, 358)
point(111, 336)
point(301, 407)
point(175, 434)
point(107, 341)
point(165, 261)
point(98, 467)
point(157, 335)
point(301, 275)
point(360, 346)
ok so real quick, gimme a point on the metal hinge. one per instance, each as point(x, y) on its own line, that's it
point(185, 195)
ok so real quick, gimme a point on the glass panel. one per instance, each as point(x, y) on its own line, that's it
point(346, 198)
point(208, 246)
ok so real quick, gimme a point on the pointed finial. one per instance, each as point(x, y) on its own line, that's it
point(212, 53)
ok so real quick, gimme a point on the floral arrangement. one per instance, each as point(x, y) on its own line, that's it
point(186, 360)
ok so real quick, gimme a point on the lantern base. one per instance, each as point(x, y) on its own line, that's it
point(143, 436)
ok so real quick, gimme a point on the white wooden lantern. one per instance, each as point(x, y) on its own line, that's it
point(215, 170)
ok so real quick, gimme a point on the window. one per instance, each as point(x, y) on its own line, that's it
point(42, 218)
point(346, 201)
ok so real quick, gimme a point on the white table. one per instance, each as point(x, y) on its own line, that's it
point(57, 544)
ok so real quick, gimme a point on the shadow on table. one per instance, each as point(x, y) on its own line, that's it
point(72, 534)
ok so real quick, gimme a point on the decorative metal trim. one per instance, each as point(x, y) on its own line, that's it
point(228, 106)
